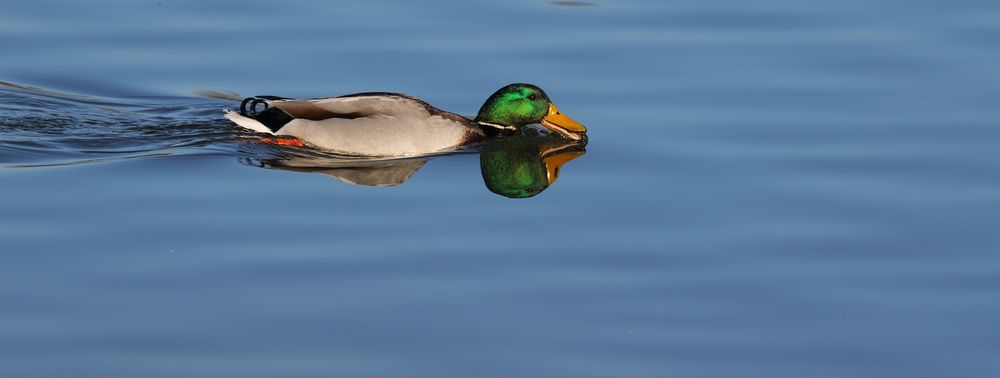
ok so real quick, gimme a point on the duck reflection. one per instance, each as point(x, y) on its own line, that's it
point(515, 167)
point(351, 171)
point(523, 167)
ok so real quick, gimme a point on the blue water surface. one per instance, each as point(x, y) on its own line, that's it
point(771, 189)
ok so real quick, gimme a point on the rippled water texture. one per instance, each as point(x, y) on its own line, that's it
point(770, 189)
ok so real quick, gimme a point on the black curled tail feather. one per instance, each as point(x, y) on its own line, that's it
point(253, 102)
point(271, 117)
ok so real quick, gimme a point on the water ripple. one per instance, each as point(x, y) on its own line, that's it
point(40, 127)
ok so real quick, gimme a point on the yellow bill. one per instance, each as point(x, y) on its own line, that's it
point(560, 123)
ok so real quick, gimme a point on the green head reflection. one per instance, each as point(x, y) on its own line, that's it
point(523, 166)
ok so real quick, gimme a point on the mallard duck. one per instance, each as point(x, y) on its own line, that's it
point(394, 124)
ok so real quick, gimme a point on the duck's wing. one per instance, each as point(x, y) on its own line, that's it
point(357, 105)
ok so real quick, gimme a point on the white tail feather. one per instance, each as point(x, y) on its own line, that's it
point(247, 122)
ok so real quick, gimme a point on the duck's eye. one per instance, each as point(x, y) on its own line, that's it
point(533, 97)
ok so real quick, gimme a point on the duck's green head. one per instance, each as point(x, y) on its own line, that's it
point(517, 105)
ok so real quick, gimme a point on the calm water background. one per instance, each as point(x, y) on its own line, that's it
point(771, 189)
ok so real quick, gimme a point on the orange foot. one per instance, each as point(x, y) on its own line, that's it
point(291, 142)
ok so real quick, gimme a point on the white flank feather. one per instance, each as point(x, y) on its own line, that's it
point(247, 122)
